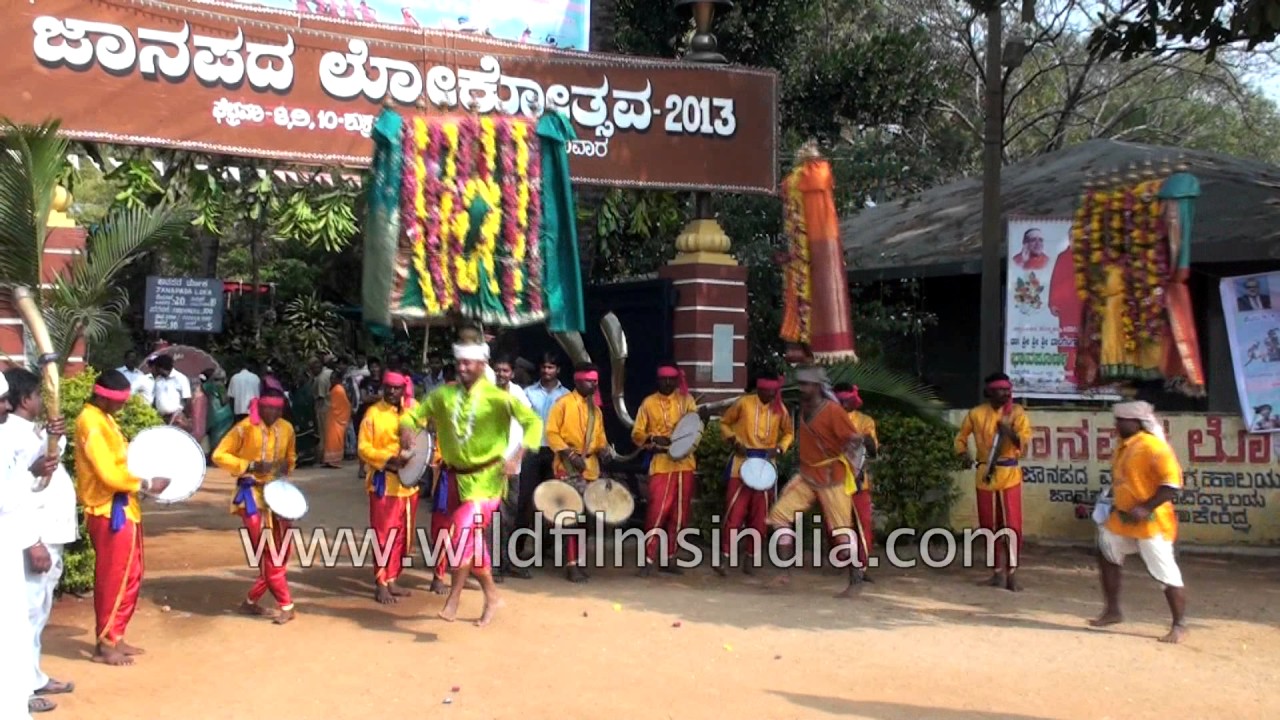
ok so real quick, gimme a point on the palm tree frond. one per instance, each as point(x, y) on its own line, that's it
point(31, 161)
point(885, 388)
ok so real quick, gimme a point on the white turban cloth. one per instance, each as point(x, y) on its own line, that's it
point(817, 376)
point(471, 352)
point(1141, 411)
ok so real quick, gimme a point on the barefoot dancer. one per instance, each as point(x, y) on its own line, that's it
point(109, 494)
point(825, 436)
point(575, 433)
point(757, 426)
point(999, 488)
point(392, 506)
point(670, 480)
point(473, 424)
point(863, 522)
point(258, 450)
point(1146, 478)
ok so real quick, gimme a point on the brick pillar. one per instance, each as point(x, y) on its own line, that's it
point(711, 300)
point(61, 248)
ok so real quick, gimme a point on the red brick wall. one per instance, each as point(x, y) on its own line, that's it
point(61, 248)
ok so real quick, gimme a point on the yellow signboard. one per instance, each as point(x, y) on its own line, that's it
point(1231, 478)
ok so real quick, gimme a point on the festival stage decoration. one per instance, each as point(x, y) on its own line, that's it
point(1131, 243)
point(813, 266)
point(455, 226)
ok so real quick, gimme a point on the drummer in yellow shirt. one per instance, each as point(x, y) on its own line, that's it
point(256, 451)
point(109, 494)
point(863, 521)
point(670, 480)
point(999, 489)
point(756, 426)
point(1146, 478)
point(572, 420)
point(392, 506)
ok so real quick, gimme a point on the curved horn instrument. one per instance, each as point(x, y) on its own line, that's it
point(48, 362)
point(617, 340)
point(573, 346)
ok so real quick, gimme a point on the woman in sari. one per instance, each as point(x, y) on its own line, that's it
point(221, 415)
point(339, 417)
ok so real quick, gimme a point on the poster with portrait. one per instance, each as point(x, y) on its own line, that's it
point(1251, 308)
point(1042, 310)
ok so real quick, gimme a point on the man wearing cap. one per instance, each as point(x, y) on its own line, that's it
point(1145, 480)
point(670, 480)
point(826, 438)
point(863, 522)
point(756, 426)
point(259, 450)
point(575, 432)
point(392, 506)
point(473, 424)
point(108, 492)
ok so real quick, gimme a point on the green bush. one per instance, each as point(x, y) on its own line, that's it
point(713, 455)
point(77, 573)
point(911, 480)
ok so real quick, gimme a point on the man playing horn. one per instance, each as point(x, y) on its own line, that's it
point(1146, 478)
point(1001, 430)
point(756, 426)
point(473, 424)
point(851, 401)
point(670, 480)
point(258, 450)
point(108, 492)
point(826, 437)
point(392, 506)
point(575, 433)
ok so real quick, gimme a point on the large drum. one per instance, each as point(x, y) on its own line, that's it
point(759, 474)
point(419, 459)
point(558, 500)
point(285, 499)
point(685, 436)
point(610, 499)
point(168, 452)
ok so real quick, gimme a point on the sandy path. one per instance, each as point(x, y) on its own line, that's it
point(919, 644)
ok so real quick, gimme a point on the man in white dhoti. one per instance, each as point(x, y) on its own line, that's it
point(17, 534)
point(53, 514)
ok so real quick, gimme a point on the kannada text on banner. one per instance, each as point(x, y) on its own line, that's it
point(1231, 482)
point(1252, 314)
point(562, 24)
point(243, 81)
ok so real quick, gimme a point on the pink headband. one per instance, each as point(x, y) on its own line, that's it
point(109, 394)
point(1000, 385)
point(768, 384)
point(590, 375)
point(394, 379)
point(671, 371)
point(850, 396)
point(255, 417)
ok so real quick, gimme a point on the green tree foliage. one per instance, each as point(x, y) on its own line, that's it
point(912, 479)
point(77, 575)
point(1146, 27)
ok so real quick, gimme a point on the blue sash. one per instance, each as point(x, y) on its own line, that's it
point(1008, 462)
point(728, 467)
point(119, 503)
point(380, 483)
point(440, 503)
point(244, 494)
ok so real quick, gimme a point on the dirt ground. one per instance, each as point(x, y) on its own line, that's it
point(918, 644)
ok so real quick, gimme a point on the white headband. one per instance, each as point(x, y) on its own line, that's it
point(471, 352)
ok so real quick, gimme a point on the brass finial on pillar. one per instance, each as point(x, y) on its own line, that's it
point(58, 208)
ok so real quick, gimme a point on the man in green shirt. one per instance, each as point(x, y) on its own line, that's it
point(473, 423)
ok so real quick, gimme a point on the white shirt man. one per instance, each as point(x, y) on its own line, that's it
point(53, 515)
point(171, 392)
point(243, 389)
point(17, 534)
point(140, 383)
point(541, 399)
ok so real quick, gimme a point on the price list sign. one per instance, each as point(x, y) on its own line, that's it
point(184, 304)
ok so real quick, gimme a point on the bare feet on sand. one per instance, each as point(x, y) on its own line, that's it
point(384, 595)
point(438, 587)
point(449, 612)
point(1176, 634)
point(110, 656)
point(129, 650)
point(996, 580)
point(490, 607)
point(398, 591)
point(1012, 584)
point(1110, 617)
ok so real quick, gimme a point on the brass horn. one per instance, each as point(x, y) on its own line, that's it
point(617, 340)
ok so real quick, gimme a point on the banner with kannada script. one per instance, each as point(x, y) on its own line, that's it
point(563, 24)
point(1230, 478)
point(239, 80)
point(1251, 308)
point(1042, 310)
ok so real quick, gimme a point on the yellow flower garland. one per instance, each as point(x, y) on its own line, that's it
point(492, 194)
point(446, 211)
point(420, 140)
point(520, 131)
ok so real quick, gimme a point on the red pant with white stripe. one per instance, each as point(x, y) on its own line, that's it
point(670, 501)
point(274, 566)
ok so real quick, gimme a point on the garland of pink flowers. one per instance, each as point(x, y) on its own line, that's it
point(534, 174)
point(511, 256)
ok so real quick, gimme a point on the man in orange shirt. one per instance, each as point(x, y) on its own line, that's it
point(826, 437)
point(392, 506)
point(863, 522)
point(258, 450)
point(999, 486)
point(108, 492)
point(756, 426)
point(1146, 478)
point(670, 480)
point(575, 433)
